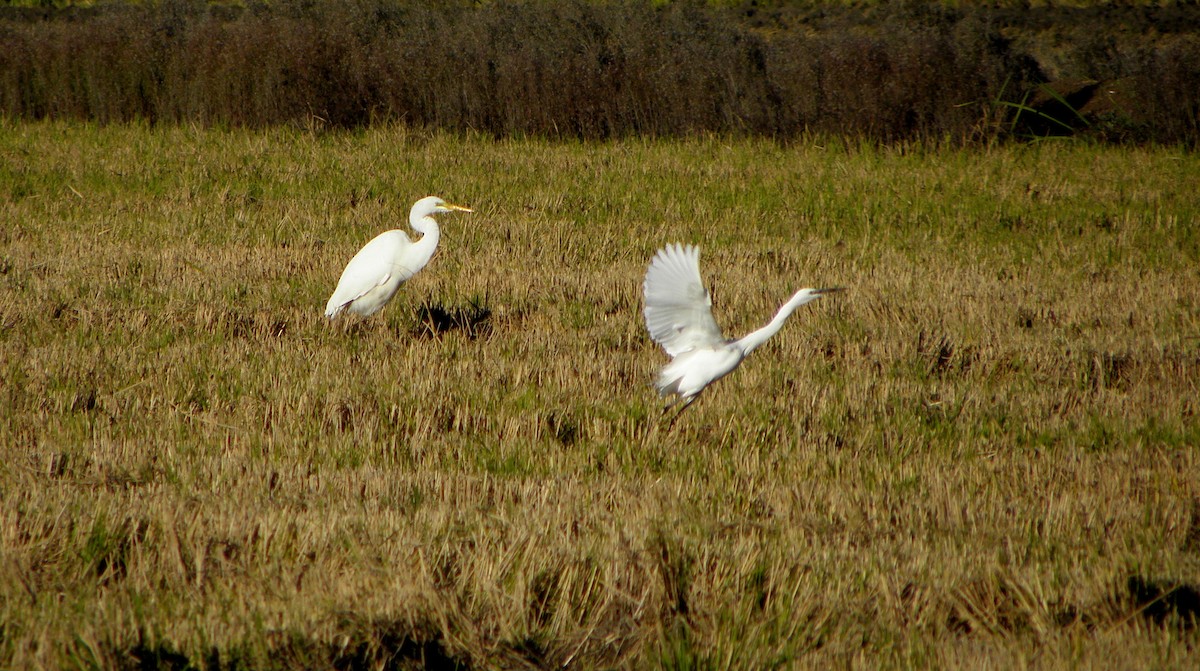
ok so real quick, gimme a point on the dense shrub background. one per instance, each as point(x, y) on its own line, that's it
point(590, 69)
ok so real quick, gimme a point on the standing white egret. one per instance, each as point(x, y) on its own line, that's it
point(376, 272)
point(679, 317)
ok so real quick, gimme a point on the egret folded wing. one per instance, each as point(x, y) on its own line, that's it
point(373, 266)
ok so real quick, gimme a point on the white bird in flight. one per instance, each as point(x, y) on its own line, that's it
point(375, 274)
point(679, 317)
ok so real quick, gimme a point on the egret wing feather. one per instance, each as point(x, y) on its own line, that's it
point(377, 263)
point(678, 308)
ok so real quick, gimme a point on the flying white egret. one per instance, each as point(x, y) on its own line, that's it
point(376, 272)
point(679, 317)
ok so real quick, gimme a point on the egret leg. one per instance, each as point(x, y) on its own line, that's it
point(679, 411)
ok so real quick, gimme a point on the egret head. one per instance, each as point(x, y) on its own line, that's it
point(434, 205)
point(808, 295)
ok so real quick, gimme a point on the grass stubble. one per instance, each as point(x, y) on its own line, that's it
point(982, 455)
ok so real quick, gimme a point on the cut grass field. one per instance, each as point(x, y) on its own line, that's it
point(984, 454)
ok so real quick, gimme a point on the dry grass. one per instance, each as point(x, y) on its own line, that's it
point(983, 455)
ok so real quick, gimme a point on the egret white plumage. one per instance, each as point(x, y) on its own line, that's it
point(679, 317)
point(375, 274)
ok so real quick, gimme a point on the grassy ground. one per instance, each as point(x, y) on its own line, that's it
point(983, 455)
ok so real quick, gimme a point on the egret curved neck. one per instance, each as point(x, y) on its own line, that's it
point(430, 234)
point(753, 340)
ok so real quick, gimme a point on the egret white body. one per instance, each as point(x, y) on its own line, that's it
point(679, 317)
point(372, 278)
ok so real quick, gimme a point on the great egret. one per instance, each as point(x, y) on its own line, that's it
point(376, 272)
point(679, 317)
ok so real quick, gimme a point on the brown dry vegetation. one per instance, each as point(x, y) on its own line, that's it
point(982, 455)
point(917, 69)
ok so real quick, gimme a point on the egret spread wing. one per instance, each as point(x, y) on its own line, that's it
point(678, 308)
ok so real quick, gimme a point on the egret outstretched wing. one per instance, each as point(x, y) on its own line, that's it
point(678, 308)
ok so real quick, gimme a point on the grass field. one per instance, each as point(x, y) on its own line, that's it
point(984, 454)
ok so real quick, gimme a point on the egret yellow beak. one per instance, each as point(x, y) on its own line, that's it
point(459, 208)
